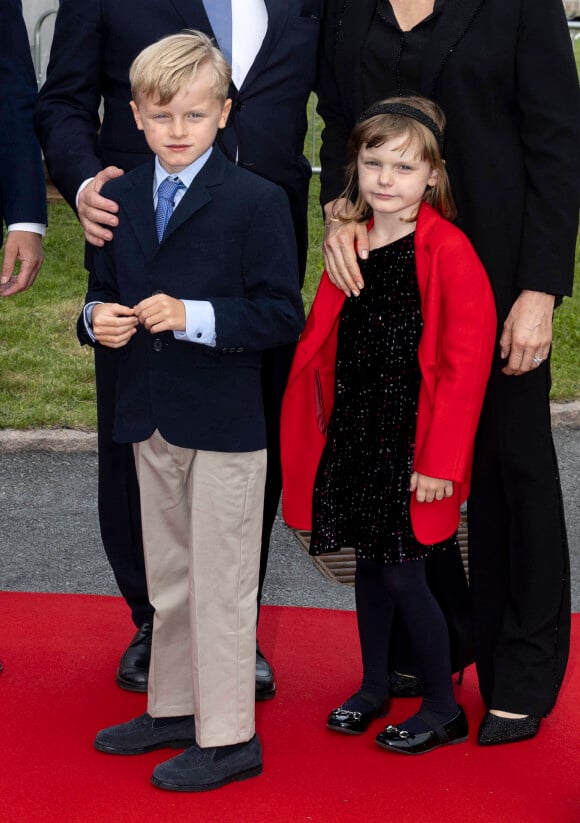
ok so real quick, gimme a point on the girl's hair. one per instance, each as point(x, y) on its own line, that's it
point(373, 130)
point(170, 65)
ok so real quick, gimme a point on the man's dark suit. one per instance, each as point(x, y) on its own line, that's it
point(93, 47)
point(22, 187)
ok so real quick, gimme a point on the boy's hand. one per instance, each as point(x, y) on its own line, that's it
point(113, 325)
point(429, 489)
point(161, 313)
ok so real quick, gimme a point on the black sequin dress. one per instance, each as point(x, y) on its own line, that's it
point(361, 493)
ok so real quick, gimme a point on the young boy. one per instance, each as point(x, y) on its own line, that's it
point(194, 295)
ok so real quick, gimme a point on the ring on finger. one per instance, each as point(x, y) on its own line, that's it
point(537, 360)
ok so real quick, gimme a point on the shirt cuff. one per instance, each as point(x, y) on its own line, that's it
point(88, 319)
point(199, 323)
point(36, 228)
point(82, 186)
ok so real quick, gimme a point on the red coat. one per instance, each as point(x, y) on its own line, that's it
point(455, 355)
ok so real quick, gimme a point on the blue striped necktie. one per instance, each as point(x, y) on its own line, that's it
point(165, 196)
point(219, 13)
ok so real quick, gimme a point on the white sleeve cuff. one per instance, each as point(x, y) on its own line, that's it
point(199, 323)
point(36, 228)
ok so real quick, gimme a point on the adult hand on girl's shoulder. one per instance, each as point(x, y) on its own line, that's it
point(341, 240)
point(428, 489)
point(527, 332)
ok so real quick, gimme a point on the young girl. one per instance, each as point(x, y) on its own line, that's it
point(403, 366)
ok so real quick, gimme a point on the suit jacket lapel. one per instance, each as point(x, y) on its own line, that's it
point(277, 16)
point(139, 206)
point(193, 14)
point(456, 18)
point(199, 193)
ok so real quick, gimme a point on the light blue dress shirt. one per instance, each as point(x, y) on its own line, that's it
point(199, 314)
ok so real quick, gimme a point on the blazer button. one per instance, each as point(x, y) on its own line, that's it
point(157, 344)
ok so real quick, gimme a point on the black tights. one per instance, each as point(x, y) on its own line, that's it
point(381, 589)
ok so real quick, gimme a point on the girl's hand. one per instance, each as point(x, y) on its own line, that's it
point(429, 489)
point(340, 241)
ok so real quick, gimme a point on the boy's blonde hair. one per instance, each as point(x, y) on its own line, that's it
point(374, 130)
point(162, 69)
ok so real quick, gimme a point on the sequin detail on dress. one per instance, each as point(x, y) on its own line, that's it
point(361, 496)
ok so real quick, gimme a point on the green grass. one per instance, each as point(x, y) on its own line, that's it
point(46, 378)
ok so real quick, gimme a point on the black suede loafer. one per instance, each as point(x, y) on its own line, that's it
point(399, 740)
point(265, 685)
point(348, 722)
point(200, 770)
point(495, 730)
point(145, 734)
point(133, 671)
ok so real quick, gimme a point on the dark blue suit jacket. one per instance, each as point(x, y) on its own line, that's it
point(230, 241)
point(22, 186)
point(94, 45)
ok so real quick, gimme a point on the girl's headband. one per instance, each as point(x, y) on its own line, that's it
point(406, 111)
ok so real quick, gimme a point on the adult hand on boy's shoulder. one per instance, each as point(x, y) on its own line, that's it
point(97, 212)
point(160, 312)
point(113, 325)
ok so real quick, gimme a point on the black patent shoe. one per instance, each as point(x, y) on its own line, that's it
point(399, 740)
point(349, 722)
point(133, 671)
point(495, 730)
point(265, 685)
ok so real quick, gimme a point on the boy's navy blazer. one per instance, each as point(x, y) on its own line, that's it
point(230, 241)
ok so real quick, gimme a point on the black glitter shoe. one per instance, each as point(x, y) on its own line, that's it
point(406, 685)
point(495, 730)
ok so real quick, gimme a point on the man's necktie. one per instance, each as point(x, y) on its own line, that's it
point(219, 13)
point(165, 195)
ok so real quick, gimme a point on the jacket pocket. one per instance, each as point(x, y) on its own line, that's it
point(321, 417)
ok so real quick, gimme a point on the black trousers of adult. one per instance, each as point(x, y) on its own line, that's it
point(518, 551)
point(118, 490)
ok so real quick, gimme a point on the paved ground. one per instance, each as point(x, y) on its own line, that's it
point(49, 538)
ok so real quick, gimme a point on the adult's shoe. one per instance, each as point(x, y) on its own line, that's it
point(495, 730)
point(265, 685)
point(199, 770)
point(145, 734)
point(133, 671)
point(395, 739)
point(350, 722)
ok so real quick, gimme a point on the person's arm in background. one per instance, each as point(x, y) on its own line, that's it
point(22, 183)
point(549, 104)
point(67, 117)
point(340, 239)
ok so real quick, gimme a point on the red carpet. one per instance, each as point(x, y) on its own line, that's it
point(57, 689)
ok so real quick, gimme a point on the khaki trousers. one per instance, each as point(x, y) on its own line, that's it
point(202, 523)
